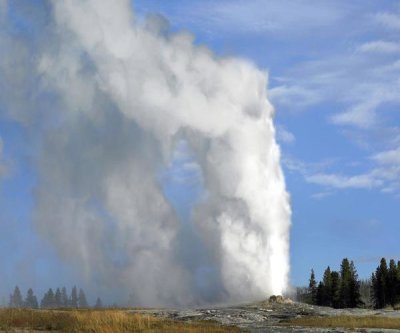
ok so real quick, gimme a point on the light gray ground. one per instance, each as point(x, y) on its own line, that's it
point(265, 316)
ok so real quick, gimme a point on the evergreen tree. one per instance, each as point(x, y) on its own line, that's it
point(345, 278)
point(392, 283)
point(57, 299)
point(379, 280)
point(48, 300)
point(64, 298)
point(82, 302)
point(321, 294)
point(374, 291)
point(31, 300)
point(16, 299)
point(354, 287)
point(99, 303)
point(44, 303)
point(335, 290)
point(398, 283)
point(312, 288)
point(327, 292)
point(74, 298)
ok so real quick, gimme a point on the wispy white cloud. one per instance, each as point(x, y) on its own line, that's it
point(361, 115)
point(382, 173)
point(389, 20)
point(388, 157)
point(388, 169)
point(284, 136)
point(294, 97)
point(380, 46)
point(296, 165)
point(357, 83)
point(259, 16)
point(343, 182)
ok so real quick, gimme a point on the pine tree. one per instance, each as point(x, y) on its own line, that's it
point(64, 298)
point(398, 283)
point(44, 303)
point(354, 287)
point(345, 276)
point(82, 302)
point(392, 283)
point(321, 294)
point(74, 298)
point(16, 299)
point(327, 282)
point(379, 288)
point(31, 300)
point(335, 291)
point(99, 303)
point(48, 300)
point(312, 288)
point(57, 299)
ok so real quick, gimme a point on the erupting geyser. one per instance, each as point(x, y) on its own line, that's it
point(126, 94)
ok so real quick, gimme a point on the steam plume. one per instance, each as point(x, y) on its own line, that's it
point(125, 98)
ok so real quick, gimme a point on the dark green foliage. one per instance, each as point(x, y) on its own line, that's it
point(327, 282)
point(385, 289)
point(349, 293)
point(321, 294)
point(338, 290)
point(345, 276)
point(329, 291)
point(312, 288)
point(391, 283)
point(335, 291)
point(31, 300)
point(379, 287)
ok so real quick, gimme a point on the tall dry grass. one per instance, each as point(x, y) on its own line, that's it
point(346, 322)
point(100, 321)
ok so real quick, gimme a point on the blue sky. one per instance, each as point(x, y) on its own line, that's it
point(334, 81)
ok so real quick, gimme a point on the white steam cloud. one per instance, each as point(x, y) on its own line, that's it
point(122, 98)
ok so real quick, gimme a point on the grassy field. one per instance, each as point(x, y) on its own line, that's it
point(99, 321)
point(346, 322)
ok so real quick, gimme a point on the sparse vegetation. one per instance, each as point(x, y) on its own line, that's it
point(100, 321)
point(346, 322)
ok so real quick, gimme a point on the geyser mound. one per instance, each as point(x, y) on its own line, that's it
point(124, 97)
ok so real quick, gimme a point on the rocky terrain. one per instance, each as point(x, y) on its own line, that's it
point(269, 315)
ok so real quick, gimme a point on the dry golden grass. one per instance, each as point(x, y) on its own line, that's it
point(100, 321)
point(346, 322)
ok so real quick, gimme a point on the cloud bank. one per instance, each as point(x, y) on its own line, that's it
point(112, 100)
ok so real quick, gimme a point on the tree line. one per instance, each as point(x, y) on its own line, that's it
point(337, 289)
point(51, 299)
point(385, 284)
point(343, 289)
